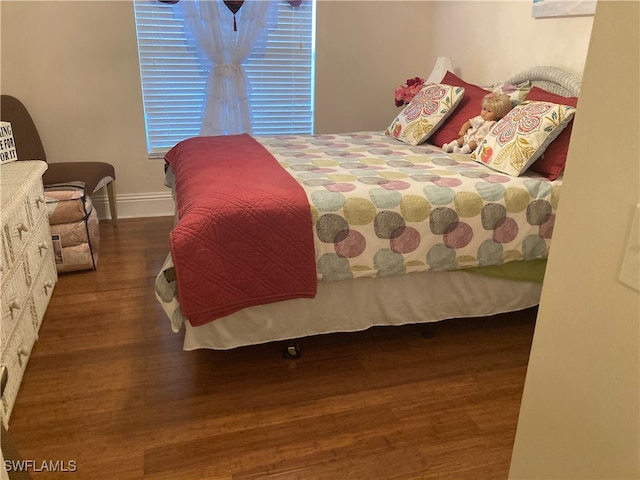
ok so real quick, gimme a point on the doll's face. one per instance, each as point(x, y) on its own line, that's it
point(488, 115)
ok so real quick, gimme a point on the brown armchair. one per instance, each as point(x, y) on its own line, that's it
point(95, 175)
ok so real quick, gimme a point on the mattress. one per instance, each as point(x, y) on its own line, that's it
point(356, 305)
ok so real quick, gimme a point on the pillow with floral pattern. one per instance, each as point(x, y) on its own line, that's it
point(551, 164)
point(521, 136)
point(426, 111)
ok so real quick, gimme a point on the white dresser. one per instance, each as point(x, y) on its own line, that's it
point(27, 268)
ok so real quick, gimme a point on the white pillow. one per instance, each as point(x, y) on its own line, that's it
point(425, 113)
point(521, 136)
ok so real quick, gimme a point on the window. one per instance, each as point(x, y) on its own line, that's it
point(173, 82)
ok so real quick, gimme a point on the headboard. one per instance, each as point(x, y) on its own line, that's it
point(551, 79)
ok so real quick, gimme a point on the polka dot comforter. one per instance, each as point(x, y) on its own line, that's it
point(381, 207)
point(378, 207)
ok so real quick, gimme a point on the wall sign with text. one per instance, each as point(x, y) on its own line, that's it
point(7, 144)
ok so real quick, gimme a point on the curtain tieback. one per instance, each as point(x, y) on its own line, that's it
point(228, 70)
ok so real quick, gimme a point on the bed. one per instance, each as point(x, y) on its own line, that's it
point(402, 232)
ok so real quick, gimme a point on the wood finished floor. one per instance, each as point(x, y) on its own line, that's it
point(109, 387)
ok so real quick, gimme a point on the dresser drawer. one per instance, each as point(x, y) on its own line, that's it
point(17, 230)
point(23, 216)
point(15, 295)
point(37, 204)
point(43, 288)
point(7, 255)
point(39, 246)
point(15, 354)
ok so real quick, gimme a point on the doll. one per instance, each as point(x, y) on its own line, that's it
point(494, 107)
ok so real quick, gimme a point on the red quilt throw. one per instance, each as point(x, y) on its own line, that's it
point(244, 235)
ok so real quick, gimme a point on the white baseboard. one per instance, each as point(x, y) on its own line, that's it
point(137, 205)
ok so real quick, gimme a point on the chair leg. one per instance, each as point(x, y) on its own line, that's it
point(111, 193)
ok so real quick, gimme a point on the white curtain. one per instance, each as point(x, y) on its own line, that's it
point(222, 50)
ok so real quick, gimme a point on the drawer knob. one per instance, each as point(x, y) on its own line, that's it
point(47, 285)
point(42, 246)
point(23, 353)
point(14, 304)
point(40, 200)
point(4, 378)
point(22, 228)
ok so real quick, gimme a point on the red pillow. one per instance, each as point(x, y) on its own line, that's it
point(469, 107)
point(551, 163)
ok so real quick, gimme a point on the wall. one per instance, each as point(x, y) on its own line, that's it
point(74, 64)
point(494, 40)
point(363, 51)
point(579, 417)
point(366, 48)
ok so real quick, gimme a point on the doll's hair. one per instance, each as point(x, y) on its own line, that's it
point(500, 104)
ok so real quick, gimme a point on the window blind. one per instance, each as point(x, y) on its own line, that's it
point(174, 83)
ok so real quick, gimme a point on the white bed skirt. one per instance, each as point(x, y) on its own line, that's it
point(355, 305)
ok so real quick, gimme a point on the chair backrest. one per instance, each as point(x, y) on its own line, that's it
point(25, 134)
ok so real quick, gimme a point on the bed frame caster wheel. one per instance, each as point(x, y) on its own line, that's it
point(428, 332)
point(292, 351)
